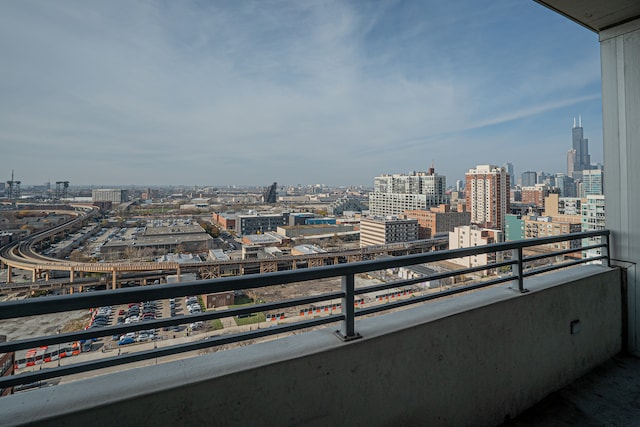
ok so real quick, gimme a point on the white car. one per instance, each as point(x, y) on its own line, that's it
point(128, 335)
point(196, 325)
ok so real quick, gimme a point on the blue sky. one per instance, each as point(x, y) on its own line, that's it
point(251, 92)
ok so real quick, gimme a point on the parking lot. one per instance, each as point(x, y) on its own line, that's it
point(144, 311)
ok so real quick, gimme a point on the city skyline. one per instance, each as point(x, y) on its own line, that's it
point(255, 92)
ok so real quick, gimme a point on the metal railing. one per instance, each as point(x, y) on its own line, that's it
point(514, 267)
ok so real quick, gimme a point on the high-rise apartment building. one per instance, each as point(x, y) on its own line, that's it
point(578, 158)
point(394, 194)
point(487, 195)
point(593, 219)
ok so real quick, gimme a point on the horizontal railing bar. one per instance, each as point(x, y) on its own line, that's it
point(562, 252)
point(548, 268)
point(438, 276)
point(55, 304)
point(8, 310)
point(423, 298)
point(93, 365)
point(533, 258)
point(8, 346)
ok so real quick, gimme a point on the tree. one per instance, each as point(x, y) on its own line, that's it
point(77, 256)
point(27, 227)
point(209, 228)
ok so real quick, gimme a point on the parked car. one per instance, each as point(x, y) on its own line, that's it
point(126, 340)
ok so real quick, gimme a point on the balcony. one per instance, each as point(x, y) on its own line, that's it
point(477, 354)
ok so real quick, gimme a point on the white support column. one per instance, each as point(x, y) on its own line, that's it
point(620, 56)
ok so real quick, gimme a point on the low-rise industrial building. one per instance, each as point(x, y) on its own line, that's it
point(259, 223)
point(300, 218)
point(184, 238)
point(226, 220)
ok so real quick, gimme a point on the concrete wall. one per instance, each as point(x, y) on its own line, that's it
point(474, 359)
point(620, 56)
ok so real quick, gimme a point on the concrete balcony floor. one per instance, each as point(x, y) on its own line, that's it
point(609, 395)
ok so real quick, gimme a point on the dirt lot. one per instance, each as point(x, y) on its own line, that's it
point(34, 326)
point(304, 289)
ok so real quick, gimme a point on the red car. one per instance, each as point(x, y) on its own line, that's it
point(121, 312)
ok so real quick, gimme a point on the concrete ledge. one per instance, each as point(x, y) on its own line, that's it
point(474, 359)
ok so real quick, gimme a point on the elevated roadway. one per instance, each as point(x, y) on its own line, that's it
point(22, 255)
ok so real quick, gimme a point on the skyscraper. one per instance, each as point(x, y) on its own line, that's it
point(578, 158)
point(487, 195)
point(529, 178)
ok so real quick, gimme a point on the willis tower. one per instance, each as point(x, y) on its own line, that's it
point(578, 158)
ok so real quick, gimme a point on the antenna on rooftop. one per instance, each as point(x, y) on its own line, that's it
point(580, 120)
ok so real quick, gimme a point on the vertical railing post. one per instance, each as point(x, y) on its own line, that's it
point(608, 248)
point(517, 271)
point(348, 331)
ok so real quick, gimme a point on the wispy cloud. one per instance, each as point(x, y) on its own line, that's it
point(257, 91)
